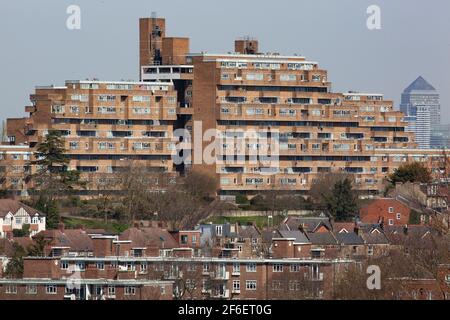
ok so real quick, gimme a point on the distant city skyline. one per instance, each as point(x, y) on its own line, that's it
point(42, 51)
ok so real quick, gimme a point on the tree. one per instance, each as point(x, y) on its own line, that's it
point(24, 232)
point(53, 178)
point(322, 189)
point(411, 172)
point(14, 268)
point(200, 185)
point(37, 249)
point(342, 204)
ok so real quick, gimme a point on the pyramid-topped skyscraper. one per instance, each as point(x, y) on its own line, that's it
point(421, 93)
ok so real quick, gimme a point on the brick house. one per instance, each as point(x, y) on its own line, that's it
point(390, 212)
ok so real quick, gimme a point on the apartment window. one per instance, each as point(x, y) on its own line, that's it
point(399, 216)
point(250, 285)
point(106, 98)
point(57, 109)
point(73, 145)
point(75, 109)
point(288, 77)
point(277, 267)
point(255, 76)
point(250, 267)
point(194, 239)
point(130, 291)
point(236, 268)
point(295, 268)
point(51, 289)
point(137, 110)
point(206, 267)
point(106, 110)
point(316, 77)
point(64, 265)
point(31, 289)
point(370, 250)
point(100, 265)
point(236, 285)
point(141, 98)
point(219, 230)
point(11, 289)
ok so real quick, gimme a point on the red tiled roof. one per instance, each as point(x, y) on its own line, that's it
point(77, 240)
point(149, 237)
point(9, 205)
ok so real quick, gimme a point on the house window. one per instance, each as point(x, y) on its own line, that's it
point(130, 291)
point(130, 266)
point(236, 285)
point(391, 222)
point(11, 289)
point(294, 285)
point(206, 267)
point(35, 220)
point(81, 266)
point(236, 268)
point(277, 267)
point(250, 285)
point(31, 289)
point(192, 267)
point(51, 289)
point(370, 250)
point(100, 265)
point(111, 290)
point(162, 290)
point(250, 267)
point(399, 216)
point(194, 239)
point(219, 231)
point(184, 239)
point(295, 268)
point(277, 285)
point(391, 210)
point(18, 220)
point(64, 265)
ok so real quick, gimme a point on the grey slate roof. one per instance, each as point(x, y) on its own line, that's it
point(310, 223)
point(299, 237)
point(322, 238)
point(349, 238)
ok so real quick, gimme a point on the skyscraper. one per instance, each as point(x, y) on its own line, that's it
point(421, 93)
point(420, 125)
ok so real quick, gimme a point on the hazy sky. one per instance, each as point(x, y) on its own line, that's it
point(37, 48)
